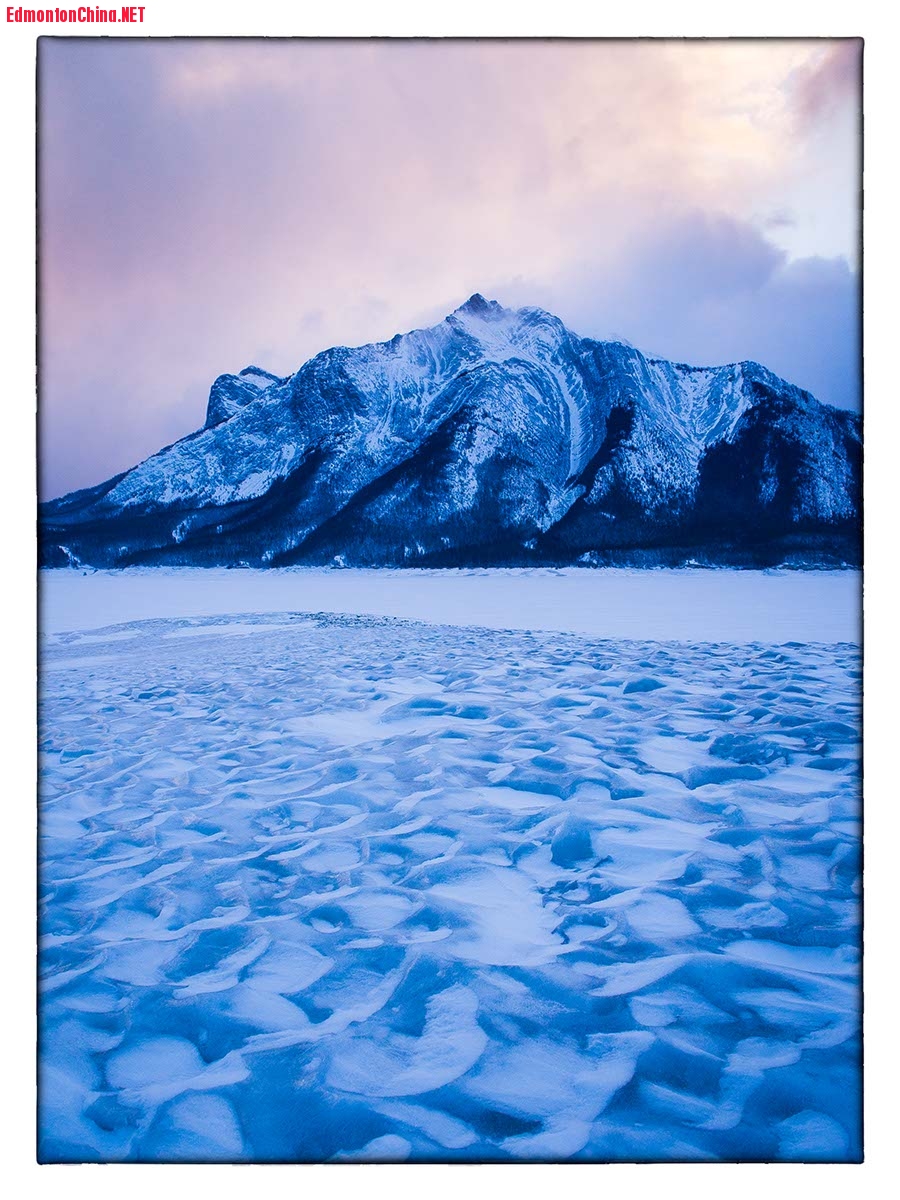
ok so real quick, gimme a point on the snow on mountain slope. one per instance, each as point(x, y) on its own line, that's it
point(493, 436)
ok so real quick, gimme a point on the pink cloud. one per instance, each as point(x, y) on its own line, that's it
point(826, 81)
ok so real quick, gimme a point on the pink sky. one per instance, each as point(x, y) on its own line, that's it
point(205, 204)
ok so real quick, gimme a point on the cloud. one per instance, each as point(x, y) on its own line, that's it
point(829, 79)
point(709, 290)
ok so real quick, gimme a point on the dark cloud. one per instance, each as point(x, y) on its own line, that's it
point(709, 290)
point(818, 87)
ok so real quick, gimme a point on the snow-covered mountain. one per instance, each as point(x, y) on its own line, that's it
point(497, 436)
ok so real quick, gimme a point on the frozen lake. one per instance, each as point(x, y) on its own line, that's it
point(345, 887)
point(492, 865)
point(680, 605)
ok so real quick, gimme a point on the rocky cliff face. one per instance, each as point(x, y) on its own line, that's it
point(497, 436)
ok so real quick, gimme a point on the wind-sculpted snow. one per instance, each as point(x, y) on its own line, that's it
point(326, 887)
point(496, 437)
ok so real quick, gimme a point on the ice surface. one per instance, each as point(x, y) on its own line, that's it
point(689, 605)
point(356, 888)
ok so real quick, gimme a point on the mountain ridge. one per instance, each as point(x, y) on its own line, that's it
point(496, 436)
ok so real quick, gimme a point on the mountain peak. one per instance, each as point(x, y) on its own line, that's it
point(259, 372)
point(477, 306)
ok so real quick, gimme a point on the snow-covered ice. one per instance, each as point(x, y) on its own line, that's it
point(680, 604)
point(332, 887)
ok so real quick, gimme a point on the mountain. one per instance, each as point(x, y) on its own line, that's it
point(495, 437)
